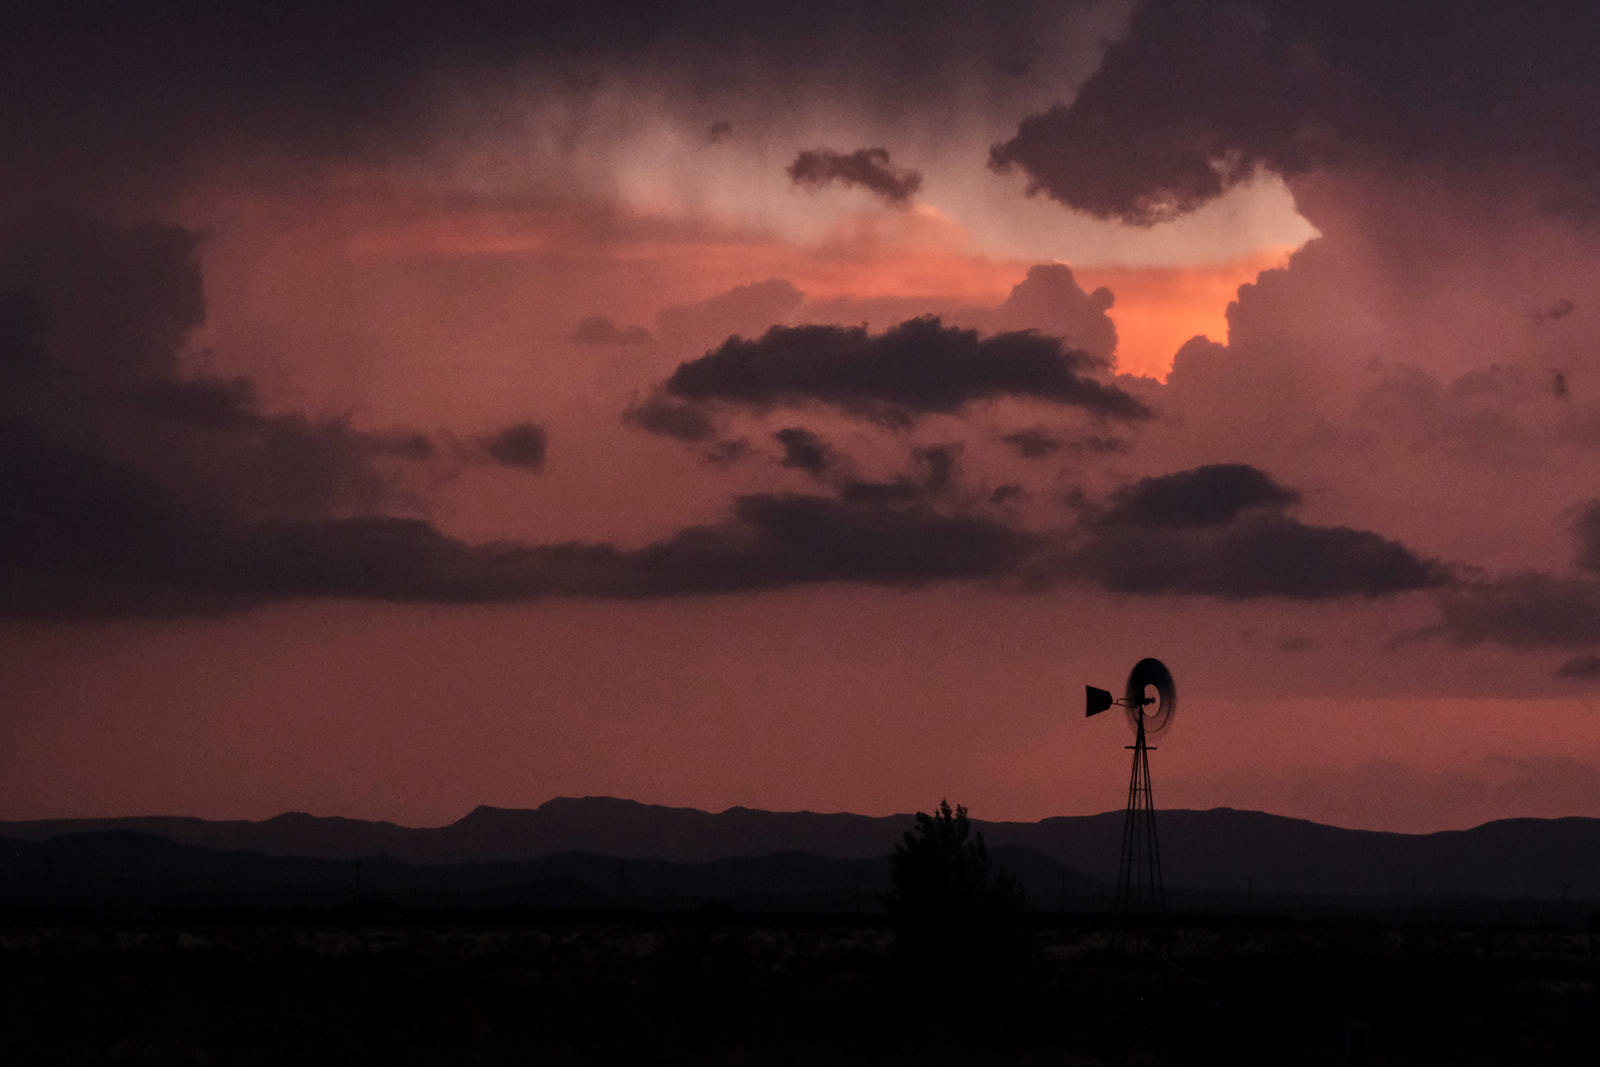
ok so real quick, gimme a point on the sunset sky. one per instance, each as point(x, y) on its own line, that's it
point(408, 406)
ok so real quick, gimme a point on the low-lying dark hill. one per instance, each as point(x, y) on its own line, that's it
point(622, 828)
point(130, 869)
point(1221, 850)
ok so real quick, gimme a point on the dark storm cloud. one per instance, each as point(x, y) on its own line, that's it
point(80, 533)
point(894, 491)
point(520, 445)
point(162, 561)
point(1258, 555)
point(930, 473)
point(1586, 536)
point(1526, 610)
point(778, 540)
point(127, 487)
point(95, 301)
point(1204, 496)
point(600, 330)
point(1033, 443)
point(208, 402)
point(87, 537)
point(804, 450)
point(1095, 445)
point(727, 452)
point(95, 360)
point(918, 367)
point(1198, 96)
point(936, 464)
point(1008, 493)
point(1580, 669)
point(1532, 609)
point(1555, 312)
point(1219, 531)
point(157, 92)
point(868, 168)
point(660, 414)
point(1038, 443)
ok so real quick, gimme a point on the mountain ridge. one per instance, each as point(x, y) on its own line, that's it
point(1218, 849)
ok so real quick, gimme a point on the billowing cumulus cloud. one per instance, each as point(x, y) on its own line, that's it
point(1050, 300)
point(918, 367)
point(868, 168)
point(744, 309)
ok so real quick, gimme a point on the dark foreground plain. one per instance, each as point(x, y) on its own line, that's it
point(719, 988)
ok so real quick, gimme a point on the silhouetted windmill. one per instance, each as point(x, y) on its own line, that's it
point(1139, 886)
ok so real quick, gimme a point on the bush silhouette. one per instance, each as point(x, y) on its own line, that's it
point(955, 911)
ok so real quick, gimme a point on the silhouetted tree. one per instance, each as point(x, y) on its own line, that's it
point(956, 912)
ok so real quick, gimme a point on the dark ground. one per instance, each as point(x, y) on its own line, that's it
point(732, 989)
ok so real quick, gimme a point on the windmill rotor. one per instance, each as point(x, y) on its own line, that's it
point(1155, 708)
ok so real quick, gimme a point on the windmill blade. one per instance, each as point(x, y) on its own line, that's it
point(1157, 711)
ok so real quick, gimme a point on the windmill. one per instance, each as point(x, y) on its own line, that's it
point(1139, 888)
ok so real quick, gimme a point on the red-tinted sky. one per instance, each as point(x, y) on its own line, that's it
point(410, 407)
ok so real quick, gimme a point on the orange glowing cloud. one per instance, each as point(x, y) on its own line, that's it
point(602, 257)
point(1159, 308)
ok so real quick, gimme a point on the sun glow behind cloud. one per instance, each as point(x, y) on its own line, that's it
point(1159, 308)
point(1171, 282)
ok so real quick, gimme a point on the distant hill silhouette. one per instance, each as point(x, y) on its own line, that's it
point(131, 869)
point(1216, 851)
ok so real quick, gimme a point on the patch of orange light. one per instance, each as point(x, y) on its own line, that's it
point(916, 254)
point(1159, 308)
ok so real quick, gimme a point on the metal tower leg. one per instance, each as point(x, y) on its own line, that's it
point(1139, 887)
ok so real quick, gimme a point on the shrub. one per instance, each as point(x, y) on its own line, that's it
point(956, 912)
